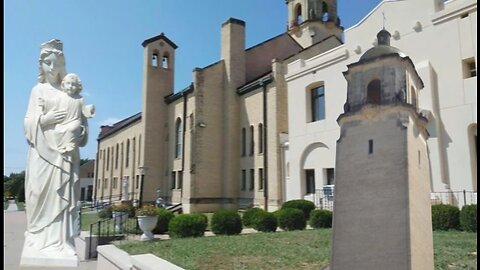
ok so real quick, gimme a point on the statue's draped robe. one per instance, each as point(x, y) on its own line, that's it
point(51, 180)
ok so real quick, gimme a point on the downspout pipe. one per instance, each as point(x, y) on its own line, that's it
point(97, 161)
point(265, 143)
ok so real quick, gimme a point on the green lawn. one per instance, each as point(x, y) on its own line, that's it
point(92, 217)
point(309, 249)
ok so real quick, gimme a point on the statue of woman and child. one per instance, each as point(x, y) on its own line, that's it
point(55, 127)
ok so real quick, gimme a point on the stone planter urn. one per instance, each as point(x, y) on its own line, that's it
point(120, 218)
point(147, 224)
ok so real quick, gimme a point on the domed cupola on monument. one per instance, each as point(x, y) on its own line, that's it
point(383, 75)
point(311, 21)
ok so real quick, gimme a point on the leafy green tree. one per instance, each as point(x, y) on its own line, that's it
point(14, 185)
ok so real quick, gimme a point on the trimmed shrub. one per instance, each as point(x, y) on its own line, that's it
point(290, 219)
point(445, 217)
point(187, 225)
point(226, 222)
point(320, 219)
point(164, 218)
point(248, 216)
point(304, 205)
point(468, 218)
point(264, 221)
point(105, 213)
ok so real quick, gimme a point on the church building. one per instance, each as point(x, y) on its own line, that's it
point(216, 143)
point(258, 127)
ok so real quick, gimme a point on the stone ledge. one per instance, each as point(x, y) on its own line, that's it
point(111, 257)
point(152, 262)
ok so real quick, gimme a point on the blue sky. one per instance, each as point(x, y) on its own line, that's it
point(102, 44)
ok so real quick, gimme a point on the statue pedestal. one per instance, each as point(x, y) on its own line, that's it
point(34, 258)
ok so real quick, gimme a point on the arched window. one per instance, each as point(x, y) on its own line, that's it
point(413, 97)
point(298, 14)
point(165, 61)
point(325, 15)
point(374, 92)
point(260, 138)
point(154, 60)
point(178, 138)
point(108, 157)
point(252, 140)
point(127, 154)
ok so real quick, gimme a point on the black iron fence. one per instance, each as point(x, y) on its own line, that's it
point(457, 198)
point(110, 229)
point(323, 198)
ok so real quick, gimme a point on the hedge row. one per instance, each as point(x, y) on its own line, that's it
point(448, 217)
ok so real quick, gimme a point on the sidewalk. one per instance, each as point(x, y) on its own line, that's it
point(15, 223)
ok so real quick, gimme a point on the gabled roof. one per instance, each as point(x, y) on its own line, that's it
point(172, 97)
point(159, 37)
point(109, 130)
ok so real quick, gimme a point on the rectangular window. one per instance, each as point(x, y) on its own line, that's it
point(180, 180)
point(310, 181)
point(108, 157)
point(244, 142)
point(115, 183)
point(105, 183)
point(370, 146)
point(261, 178)
point(99, 182)
point(318, 103)
point(330, 176)
point(174, 181)
point(469, 68)
point(252, 141)
point(252, 179)
point(244, 180)
point(137, 181)
point(260, 138)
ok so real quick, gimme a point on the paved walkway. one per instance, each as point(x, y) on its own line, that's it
point(15, 224)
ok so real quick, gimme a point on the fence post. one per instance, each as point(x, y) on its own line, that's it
point(464, 197)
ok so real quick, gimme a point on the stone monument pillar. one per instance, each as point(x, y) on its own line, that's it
point(382, 212)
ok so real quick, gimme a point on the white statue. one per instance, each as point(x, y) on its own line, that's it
point(55, 127)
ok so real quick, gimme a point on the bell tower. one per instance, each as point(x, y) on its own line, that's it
point(159, 68)
point(310, 21)
point(382, 204)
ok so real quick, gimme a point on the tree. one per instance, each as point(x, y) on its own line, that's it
point(15, 185)
point(84, 160)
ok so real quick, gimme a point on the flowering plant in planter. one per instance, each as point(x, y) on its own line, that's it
point(147, 210)
point(121, 207)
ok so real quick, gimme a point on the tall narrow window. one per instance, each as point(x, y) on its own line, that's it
point(105, 183)
point(178, 138)
point(370, 146)
point(318, 103)
point(127, 154)
point(174, 180)
point(137, 181)
point(191, 121)
point(298, 14)
point(180, 180)
point(261, 178)
point(252, 140)
point(139, 148)
point(108, 157)
point(260, 138)
point(165, 61)
point(413, 95)
point(374, 92)
point(116, 156)
point(330, 176)
point(154, 60)
point(115, 183)
point(244, 180)
point(252, 179)
point(310, 181)
point(244, 141)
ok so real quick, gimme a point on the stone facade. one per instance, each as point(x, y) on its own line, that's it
point(192, 139)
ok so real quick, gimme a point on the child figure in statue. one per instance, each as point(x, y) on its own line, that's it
point(70, 130)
